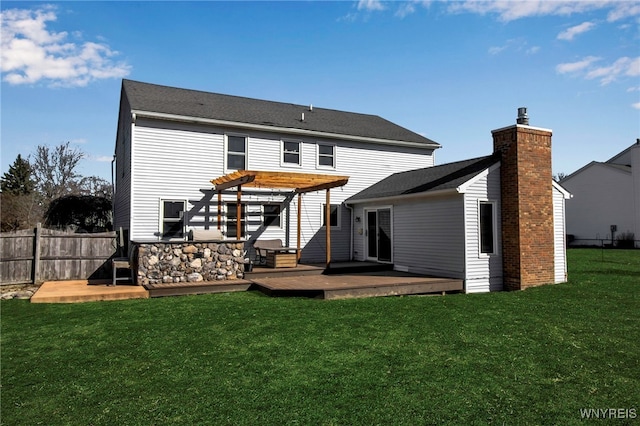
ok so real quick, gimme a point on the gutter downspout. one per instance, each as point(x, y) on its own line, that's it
point(350, 231)
point(113, 191)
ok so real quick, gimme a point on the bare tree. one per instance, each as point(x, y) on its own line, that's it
point(559, 176)
point(54, 169)
point(19, 211)
point(94, 185)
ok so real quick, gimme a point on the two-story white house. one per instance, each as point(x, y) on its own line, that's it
point(190, 160)
point(605, 207)
point(172, 142)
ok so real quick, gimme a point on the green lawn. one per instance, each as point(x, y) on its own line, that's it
point(531, 357)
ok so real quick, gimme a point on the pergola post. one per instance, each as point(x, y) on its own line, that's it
point(327, 214)
point(299, 226)
point(219, 210)
point(239, 213)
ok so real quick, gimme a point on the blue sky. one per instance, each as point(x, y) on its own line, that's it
point(452, 71)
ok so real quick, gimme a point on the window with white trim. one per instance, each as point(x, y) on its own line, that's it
point(232, 220)
point(271, 215)
point(291, 153)
point(334, 215)
point(172, 223)
point(236, 152)
point(326, 155)
point(487, 220)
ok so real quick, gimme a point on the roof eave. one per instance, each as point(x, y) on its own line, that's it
point(407, 197)
point(565, 194)
point(287, 130)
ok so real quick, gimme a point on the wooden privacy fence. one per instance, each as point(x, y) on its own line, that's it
point(38, 255)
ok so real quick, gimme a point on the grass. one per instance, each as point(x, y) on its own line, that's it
point(531, 357)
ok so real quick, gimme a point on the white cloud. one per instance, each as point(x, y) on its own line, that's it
point(511, 10)
point(370, 5)
point(636, 105)
point(570, 33)
point(31, 53)
point(405, 9)
point(572, 67)
point(408, 7)
point(624, 9)
point(515, 44)
point(102, 158)
point(622, 67)
point(533, 50)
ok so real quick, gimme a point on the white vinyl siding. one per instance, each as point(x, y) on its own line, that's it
point(602, 196)
point(177, 161)
point(170, 164)
point(559, 237)
point(122, 172)
point(483, 272)
point(428, 236)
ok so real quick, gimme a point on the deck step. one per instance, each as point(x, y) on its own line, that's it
point(184, 289)
point(358, 268)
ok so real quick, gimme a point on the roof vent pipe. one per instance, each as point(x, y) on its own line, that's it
point(523, 118)
point(310, 107)
point(302, 119)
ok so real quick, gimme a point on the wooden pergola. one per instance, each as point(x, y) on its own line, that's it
point(300, 183)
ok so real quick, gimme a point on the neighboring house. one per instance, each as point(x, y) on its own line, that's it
point(459, 220)
point(606, 200)
point(172, 142)
point(496, 221)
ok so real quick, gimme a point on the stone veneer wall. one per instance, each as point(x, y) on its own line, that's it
point(189, 261)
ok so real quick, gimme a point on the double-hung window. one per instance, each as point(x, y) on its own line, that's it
point(291, 153)
point(334, 215)
point(326, 155)
point(236, 152)
point(271, 215)
point(172, 225)
point(487, 219)
point(232, 220)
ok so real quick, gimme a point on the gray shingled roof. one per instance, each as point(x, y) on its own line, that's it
point(192, 103)
point(445, 176)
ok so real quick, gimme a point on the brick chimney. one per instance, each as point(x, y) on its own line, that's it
point(527, 203)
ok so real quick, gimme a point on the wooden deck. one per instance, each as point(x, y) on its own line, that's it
point(344, 280)
point(86, 291)
point(363, 284)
